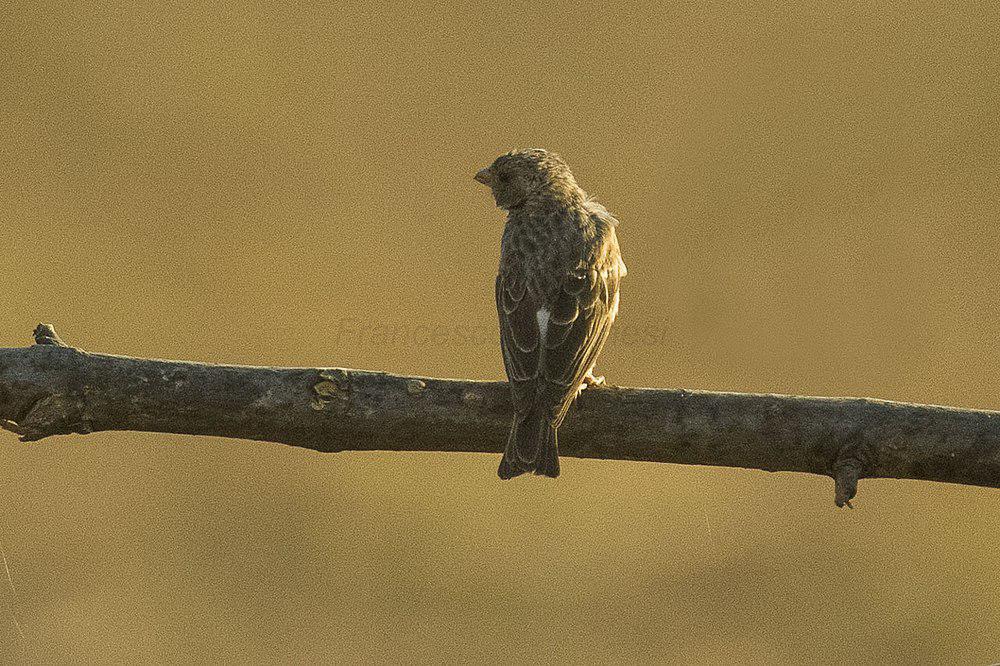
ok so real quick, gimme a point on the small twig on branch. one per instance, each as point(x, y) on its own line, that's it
point(45, 334)
point(52, 389)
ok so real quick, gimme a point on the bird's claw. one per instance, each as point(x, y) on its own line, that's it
point(590, 380)
point(11, 426)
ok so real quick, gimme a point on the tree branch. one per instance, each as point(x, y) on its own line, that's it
point(52, 389)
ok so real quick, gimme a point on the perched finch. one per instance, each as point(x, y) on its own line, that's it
point(557, 296)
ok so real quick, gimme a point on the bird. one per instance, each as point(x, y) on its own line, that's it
point(556, 296)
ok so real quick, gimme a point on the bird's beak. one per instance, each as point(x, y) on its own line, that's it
point(484, 176)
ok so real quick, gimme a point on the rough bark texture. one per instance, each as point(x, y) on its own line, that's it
point(52, 389)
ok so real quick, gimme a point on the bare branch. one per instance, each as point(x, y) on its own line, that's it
point(52, 389)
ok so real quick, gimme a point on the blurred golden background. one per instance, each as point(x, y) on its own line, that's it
point(808, 195)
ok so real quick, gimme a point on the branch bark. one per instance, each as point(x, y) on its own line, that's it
point(53, 389)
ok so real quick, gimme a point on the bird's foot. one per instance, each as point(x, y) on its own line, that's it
point(590, 380)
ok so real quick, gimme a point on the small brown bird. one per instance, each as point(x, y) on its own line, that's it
point(557, 296)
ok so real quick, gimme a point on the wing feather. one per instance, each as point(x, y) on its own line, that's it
point(518, 338)
point(573, 347)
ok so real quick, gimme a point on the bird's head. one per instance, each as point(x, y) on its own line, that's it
point(521, 176)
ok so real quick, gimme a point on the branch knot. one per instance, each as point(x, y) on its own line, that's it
point(849, 466)
point(332, 391)
point(45, 334)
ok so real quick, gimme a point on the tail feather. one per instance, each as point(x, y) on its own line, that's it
point(532, 447)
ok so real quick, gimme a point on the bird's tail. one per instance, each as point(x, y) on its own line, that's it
point(531, 447)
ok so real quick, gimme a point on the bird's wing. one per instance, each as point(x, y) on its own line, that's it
point(518, 312)
point(580, 320)
point(549, 367)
